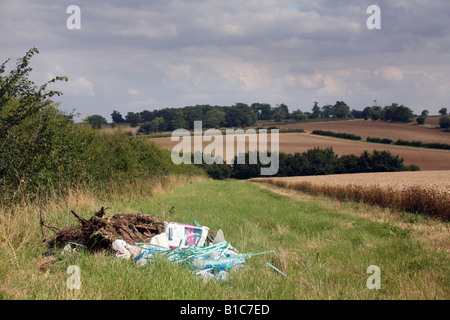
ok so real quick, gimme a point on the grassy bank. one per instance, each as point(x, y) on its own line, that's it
point(324, 251)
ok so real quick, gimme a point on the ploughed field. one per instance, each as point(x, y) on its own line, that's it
point(426, 159)
point(377, 129)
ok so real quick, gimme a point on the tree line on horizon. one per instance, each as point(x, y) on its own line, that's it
point(244, 115)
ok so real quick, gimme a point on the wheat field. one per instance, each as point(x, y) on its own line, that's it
point(423, 192)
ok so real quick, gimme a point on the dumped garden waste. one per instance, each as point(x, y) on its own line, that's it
point(99, 232)
point(144, 238)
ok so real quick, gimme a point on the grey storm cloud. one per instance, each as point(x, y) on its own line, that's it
point(136, 55)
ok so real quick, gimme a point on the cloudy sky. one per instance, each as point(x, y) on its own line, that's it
point(144, 55)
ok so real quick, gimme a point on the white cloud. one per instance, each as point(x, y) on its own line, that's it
point(79, 87)
point(392, 74)
point(222, 52)
point(133, 91)
point(141, 103)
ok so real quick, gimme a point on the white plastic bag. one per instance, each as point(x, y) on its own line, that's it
point(119, 247)
point(125, 250)
point(160, 240)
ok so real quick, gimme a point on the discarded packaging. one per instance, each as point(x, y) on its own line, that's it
point(183, 235)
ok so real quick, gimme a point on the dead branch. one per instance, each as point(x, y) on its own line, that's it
point(82, 220)
point(44, 236)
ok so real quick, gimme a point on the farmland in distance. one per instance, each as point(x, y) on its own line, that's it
point(426, 159)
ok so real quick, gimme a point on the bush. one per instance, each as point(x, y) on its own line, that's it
point(379, 140)
point(380, 161)
point(421, 119)
point(430, 145)
point(444, 122)
point(337, 134)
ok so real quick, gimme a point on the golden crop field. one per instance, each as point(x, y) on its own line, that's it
point(424, 192)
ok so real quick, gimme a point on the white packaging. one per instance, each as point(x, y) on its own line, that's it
point(160, 240)
point(184, 235)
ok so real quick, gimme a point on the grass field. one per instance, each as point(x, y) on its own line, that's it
point(325, 247)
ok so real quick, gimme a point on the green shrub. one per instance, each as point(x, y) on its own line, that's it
point(349, 136)
point(379, 140)
point(421, 119)
point(444, 122)
point(430, 145)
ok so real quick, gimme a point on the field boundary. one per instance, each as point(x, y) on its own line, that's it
point(424, 200)
point(433, 232)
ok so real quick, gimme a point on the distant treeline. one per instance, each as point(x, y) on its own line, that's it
point(315, 161)
point(243, 115)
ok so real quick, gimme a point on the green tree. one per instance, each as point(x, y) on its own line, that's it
point(357, 114)
point(298, 115)
point(280, 113)
point(145, 128)
point(397, 113)
point(341, 110)
point(214, 118)
point(178, 121)
point(425, 113)
point(158, 124)
point(262, 110)
point(117, 117)
point(192, 114)
point(376, 113)
point(316, 113)
point(28, 98)
point(327, 111)
point(96, 121)
point(367, 113)
point(443, 112)
point(444, 122)
point(133, 118)
point(319, 161)
point(240, 115)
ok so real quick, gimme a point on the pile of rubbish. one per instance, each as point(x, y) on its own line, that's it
point(144, 238)
point(99, 232)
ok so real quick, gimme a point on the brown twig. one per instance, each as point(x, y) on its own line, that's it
point(44, 236)
point(82, 220)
